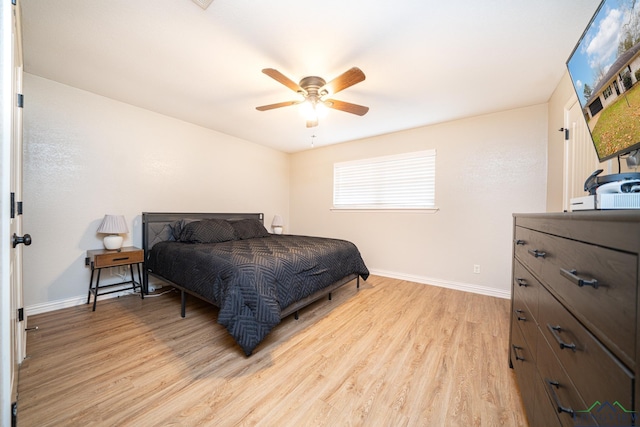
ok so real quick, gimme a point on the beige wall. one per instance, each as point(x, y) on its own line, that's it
point(86, 155)
point(487, 168)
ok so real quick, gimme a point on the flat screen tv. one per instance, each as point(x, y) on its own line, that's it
point(605, 71)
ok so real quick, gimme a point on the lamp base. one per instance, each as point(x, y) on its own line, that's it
point(277, 229)
point(113, 242)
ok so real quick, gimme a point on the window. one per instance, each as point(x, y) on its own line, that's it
point(405, 181)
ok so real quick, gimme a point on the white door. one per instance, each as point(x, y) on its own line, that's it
point(16, 188)
point(13, 324)
point(580, 159)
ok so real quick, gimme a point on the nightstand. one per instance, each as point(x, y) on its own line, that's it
point(102, 258)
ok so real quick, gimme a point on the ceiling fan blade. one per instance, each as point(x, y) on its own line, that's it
point(312, 123)
point(278, 105)
point(348, 107)
point(281, 78)
point(348, 78)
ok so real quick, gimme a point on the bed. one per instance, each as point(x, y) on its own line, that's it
point(255, 278)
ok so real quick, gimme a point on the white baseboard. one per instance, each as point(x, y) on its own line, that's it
point(154, 284)
point(54, 305)
point(465, 287)
point(69, 302)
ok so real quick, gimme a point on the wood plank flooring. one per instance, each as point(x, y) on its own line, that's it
point(393, 353)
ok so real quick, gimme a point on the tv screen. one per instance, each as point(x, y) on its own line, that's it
point(605, 70)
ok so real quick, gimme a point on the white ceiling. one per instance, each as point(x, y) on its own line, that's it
point(425, 61)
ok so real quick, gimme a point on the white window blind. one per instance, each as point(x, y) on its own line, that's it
point(405, 181)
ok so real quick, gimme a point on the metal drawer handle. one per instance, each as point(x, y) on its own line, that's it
point(521, 282)
point(554, 331)
point(536, 253)
point(515, 351)
point(519, 242)
point(553, 385)
point(572, 275)
point(518, 316)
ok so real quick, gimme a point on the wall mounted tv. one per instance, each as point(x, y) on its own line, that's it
point(605, 71)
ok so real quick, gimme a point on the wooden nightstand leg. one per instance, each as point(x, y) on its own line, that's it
point(95, 295)
point(90, 286)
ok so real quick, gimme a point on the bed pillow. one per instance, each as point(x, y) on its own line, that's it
point(249, 228)
point(165, 234)
point(207, 231)
point(177, 226)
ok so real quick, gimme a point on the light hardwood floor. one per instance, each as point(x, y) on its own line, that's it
point(393, 353)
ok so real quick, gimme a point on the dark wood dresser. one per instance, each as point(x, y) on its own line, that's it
point(574, 326)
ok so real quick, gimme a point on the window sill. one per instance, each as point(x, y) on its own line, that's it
point(390, 210)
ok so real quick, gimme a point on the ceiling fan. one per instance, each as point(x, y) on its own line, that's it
point(316, 91)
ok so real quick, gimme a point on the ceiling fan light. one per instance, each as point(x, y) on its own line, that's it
point(321, 110)
point(308, 111)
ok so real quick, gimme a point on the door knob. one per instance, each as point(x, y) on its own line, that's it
point(26, 239)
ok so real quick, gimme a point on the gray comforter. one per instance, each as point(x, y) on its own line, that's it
point(252, 280)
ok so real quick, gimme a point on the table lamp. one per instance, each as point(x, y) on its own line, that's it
point(113, 225)
point(277, 224)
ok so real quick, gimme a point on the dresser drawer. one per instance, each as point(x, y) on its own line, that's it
point(596, 373)
point(568, 267)
point(528, 329)
point(562, 397)
point(545, 414)
point(528, 246)
point(522, 316)
point(111, 259)
point(525, 288)
point(521, 357)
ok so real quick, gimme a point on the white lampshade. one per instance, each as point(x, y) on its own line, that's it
point(113, 225)
point(277, 224)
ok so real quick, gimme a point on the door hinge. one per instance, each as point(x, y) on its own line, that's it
point(13, 2)
point(20, 100)
point(20, 314)
point(14, 412)
point(12, 202)
point(19, 204)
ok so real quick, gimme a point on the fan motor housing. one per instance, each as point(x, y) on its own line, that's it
point(311, 84)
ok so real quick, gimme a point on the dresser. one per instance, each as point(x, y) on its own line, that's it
point(574, 324)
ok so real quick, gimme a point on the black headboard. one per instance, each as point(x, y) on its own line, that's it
point(153, 223)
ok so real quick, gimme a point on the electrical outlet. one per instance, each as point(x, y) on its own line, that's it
point(476, 268)
point(120, 271)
